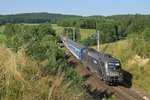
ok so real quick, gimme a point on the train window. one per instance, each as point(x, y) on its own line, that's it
point(114, 65)
point(111, 65)
point(117, 65)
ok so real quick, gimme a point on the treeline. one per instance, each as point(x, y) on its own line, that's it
point(33, 18)
point(128, 16)
point(36, 67)
point(86, 23)
point(112, 28)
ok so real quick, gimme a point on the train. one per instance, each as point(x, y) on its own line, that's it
point(105, 66)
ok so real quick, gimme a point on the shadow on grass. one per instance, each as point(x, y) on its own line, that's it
point(127, 79)
point(72, 64)
point(85, 77)
point(98, 94)
point(67, 56)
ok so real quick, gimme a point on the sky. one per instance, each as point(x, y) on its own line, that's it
point(76, 7)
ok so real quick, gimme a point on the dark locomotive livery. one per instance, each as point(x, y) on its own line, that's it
point(105, 66)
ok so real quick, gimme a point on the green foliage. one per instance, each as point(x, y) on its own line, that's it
point(140, 43)
point(108, 32)
point(90, 41)
point(69, 33)
point(54, 25)
point(86, 23)
point(45, 29)
point(9, 30)
point(2, 28)
point(77, 34)
point(2, 37)
point(146, 34)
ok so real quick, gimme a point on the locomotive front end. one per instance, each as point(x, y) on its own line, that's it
point(114, 72)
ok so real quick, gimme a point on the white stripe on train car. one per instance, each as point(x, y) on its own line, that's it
point(66, 44)
point(73, 53)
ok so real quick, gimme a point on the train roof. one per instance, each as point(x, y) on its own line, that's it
point(97, 55)
point(76, 45)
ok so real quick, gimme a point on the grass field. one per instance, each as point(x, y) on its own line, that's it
point(2, 28)
point(55, 26)
point(2, 37)
point(84, 32)
point(29, 24)
point(137, 66)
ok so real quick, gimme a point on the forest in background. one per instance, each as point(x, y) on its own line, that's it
point(112, 28)
point(33, 18)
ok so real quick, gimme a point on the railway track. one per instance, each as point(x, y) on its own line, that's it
point(121, 92)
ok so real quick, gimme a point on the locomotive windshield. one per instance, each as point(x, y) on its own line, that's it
point(114, 65)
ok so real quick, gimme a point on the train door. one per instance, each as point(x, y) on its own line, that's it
point(101, 68)
point(89, 60)
point(85, 59)
point(96, 66)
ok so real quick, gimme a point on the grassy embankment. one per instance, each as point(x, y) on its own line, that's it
point(137, 66)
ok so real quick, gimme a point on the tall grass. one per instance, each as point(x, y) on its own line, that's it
point(21, 79)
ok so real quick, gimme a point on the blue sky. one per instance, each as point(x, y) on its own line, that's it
point(76, 7)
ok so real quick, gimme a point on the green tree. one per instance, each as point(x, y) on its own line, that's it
point(45, 29)
point(146, 33)
point(77, 34)
point(9, 30)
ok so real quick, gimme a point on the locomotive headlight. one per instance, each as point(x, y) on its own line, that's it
point(113, 74)
point(120, 73)
point(108, 74)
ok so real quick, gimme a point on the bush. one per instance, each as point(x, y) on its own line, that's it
point(141, 43)
point(146, 34)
